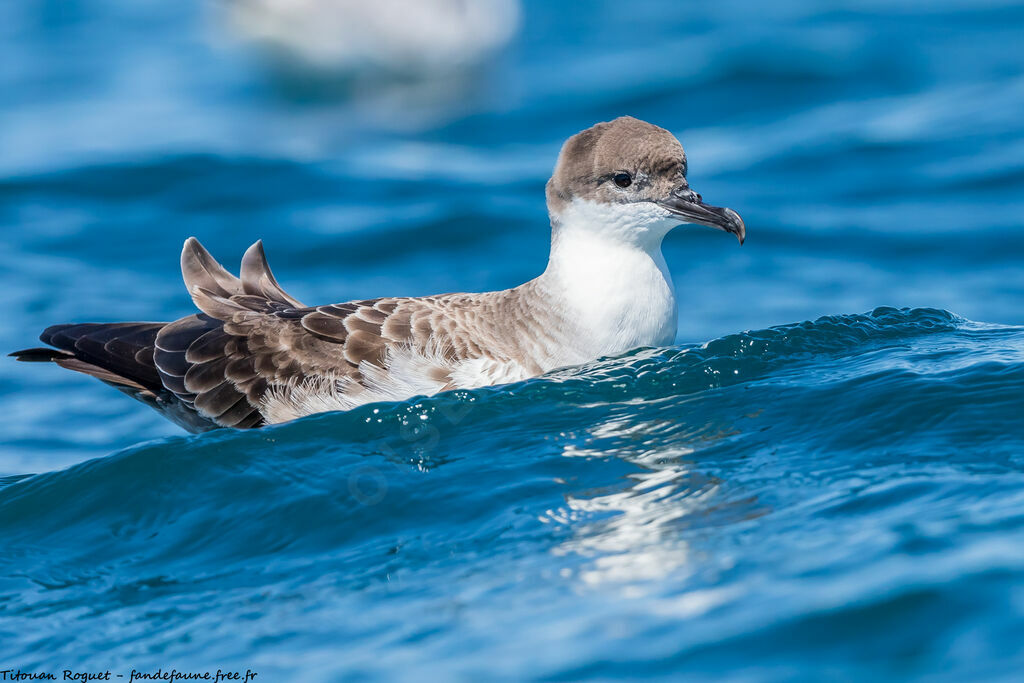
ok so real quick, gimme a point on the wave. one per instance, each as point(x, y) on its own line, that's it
point(610, 473)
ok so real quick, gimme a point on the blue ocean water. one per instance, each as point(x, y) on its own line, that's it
point(823, 478)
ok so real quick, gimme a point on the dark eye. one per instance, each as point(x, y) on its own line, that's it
point(623, 179)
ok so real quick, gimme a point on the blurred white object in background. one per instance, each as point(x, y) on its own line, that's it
point(403, 38)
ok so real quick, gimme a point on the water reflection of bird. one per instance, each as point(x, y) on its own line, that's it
point(404, 38)
point(256, 355)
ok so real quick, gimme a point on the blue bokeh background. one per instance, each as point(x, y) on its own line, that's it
point(875, 149)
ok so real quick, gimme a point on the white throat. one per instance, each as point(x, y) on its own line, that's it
point(607, 275)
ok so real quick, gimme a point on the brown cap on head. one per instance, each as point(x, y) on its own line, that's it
point(627, 161)
point(589, 161)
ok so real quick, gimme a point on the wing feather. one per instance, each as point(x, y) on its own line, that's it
point(252, 338)
point(258, 280)
point(204, 377)
point(218, 400)
point(200, 270)
point(326, 325)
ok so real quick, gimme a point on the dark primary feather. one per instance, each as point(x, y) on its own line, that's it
point(125, 349)
point(120, 354)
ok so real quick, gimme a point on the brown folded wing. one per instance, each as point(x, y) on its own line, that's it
point(252, 336)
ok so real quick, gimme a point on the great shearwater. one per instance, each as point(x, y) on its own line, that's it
point(254, 355)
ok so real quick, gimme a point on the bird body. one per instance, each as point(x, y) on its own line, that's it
point(254, 355)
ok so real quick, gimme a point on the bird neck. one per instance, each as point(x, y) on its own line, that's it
point(613, 294)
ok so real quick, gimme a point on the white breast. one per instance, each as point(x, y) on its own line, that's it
point(608, 275)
